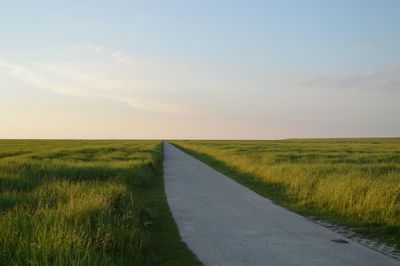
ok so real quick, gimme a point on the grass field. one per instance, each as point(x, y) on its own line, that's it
point(355, 182)
point(86, 203)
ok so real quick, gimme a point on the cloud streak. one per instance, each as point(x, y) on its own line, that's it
point(133, 84)
point(380, 80)
point(144, 17)
point(116, 54)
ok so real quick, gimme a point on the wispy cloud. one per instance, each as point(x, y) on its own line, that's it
point(144, 17)
point(384, 80)
point(32, 77)
point(134, 84)
point(116, 54)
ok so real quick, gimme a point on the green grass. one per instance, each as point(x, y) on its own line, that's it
point(86, 203)
point(353, 182)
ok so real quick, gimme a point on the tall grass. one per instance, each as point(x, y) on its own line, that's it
point(84, 203)
point(354, 181)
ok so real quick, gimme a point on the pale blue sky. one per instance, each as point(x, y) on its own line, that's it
point(199, 69)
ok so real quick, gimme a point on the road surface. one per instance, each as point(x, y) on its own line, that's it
point(224, 223)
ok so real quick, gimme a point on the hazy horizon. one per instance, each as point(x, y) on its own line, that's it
point(199, 69)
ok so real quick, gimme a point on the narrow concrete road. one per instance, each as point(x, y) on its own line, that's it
point(224, 223)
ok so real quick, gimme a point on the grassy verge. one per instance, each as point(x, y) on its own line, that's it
point(352, 182)
point(86, 203)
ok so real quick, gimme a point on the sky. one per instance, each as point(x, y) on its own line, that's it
point(199, 69)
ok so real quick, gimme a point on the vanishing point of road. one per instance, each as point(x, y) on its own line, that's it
point(224, 223)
